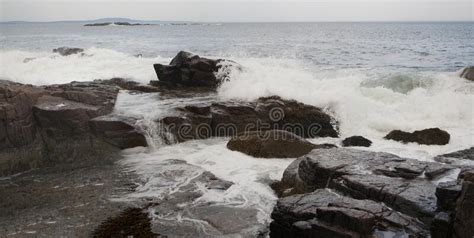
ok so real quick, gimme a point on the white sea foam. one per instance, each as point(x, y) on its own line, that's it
point(42, 68)
point(368, 104)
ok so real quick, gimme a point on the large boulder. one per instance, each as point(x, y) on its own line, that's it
point(468, 73)
point(464, 220)
point(325, 213)
point(65, 51)
point(406, 186)
point(231, 118)
point(187, 69)
point(356, 141)
point(118, 131)
point(432, 136)
point(50, 124)
point(271, 144)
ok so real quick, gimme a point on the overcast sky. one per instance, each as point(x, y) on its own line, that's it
point(238, 11)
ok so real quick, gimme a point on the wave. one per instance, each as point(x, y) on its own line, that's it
point(367, 102)
point(43, 68)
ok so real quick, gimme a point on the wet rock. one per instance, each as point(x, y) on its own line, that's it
point(193, 71)
point(20, 142)
point(184, 210)
point(447, 194)
point(130, 85)
point(132, 222)
point(232, 118)
point(271, 144)
point(442, 226)
point(377, 176)
point(459, 157)
point(118, 131)
point(65, 51)
point(464, 219)
point(356, 141)
point(45, 125)
point(324, 213)
point(432, 136)
point(468, 73)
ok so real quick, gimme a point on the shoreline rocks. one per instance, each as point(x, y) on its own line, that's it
point(49, 124)
point(231, 118)
point(458, 157)
point(356, 141)
point(271, 144)
point(432, 136)
point(367, 179)
point(187, 69)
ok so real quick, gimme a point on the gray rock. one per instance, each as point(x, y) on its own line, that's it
point(402, 184)
point(324, 213)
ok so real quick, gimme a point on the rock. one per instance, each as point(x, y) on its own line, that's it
point(468, 73)
point(377, 176)
point(459, 157)
point(447, 194)
point(132, 222)
point(432, 136)
point(99, 24)
point(234, 117)
point(130, 85)
point(175, 210)
point(356, 141)
point(65, 51)
point(271, 144)
point(464, 219)
point(20, 141)
point(324, 213)
point(193, 71)
point(50, 124)
point(118, 131)
point(442, 226)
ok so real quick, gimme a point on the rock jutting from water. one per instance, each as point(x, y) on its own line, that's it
point(202, 121)
point(65, 51)
point(189, 70)
point(356, 141)
point(432, 136)
point(272, 144)
point(346, 192)
point(468, 73)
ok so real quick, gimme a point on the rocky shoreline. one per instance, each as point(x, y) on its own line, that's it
point(71, 130)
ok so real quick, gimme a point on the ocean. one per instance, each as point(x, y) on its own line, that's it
point(372, 77)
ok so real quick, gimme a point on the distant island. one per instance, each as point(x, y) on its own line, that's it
point(118, 24)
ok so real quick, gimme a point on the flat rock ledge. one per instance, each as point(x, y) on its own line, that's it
point(343, 192)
